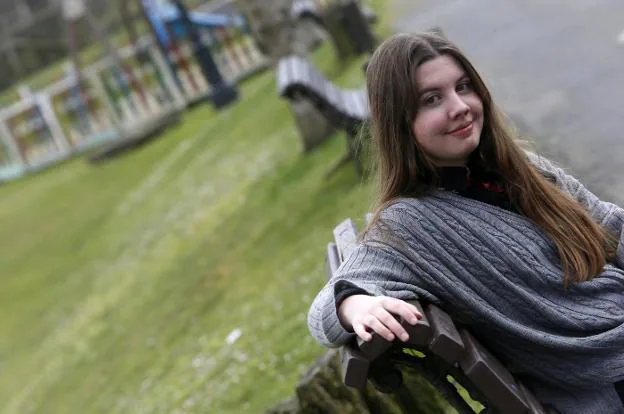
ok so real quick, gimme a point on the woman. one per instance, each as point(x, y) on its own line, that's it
point(466, 219)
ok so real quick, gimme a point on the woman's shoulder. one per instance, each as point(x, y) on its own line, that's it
point(402, 205)
point(550, 170)
point(396, 222)
point(544, 165)
point(404, 210)
point(399, 211)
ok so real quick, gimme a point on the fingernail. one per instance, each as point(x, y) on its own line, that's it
point(404, 337)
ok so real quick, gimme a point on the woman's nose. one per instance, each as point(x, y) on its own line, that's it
point(458, 107)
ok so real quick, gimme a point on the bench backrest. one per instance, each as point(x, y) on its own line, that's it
point(306, 9)
point(297, 78)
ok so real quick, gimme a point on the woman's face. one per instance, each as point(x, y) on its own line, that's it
point(449, 120)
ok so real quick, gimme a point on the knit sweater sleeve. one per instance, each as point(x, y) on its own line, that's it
point(376, 268)
point(609, 215)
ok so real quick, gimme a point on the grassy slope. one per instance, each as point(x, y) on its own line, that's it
point(122, 282)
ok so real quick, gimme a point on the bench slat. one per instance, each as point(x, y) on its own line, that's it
point(296, 75)
point(534, 405)
point(445, 341)
point(332, 260)
point(491, 377)
point(419, 334)
point(373, 348)
point(356, 104)
point(355, 367)
point(345, 235)
point(302, 9)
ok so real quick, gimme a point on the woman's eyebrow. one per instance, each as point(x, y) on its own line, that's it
point(462, 77)
point(426, 90)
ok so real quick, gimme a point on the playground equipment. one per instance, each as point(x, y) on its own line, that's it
point(124, 98)
point(143, 107)
point(31, 136)
point(81, 112)
point(222, 92)
point(226, 36)
point(138, 114)
point(106, 111)
point(11, 161)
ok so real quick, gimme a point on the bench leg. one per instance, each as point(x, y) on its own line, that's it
point(352, 154)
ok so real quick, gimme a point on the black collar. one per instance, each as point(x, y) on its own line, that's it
point(460, 179)
point(455, 178)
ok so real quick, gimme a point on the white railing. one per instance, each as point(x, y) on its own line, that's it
point(64, 119)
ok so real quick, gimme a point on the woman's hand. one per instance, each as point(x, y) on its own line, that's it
point(364, 314)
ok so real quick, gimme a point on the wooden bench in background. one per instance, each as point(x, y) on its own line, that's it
point(347, 22)
point(437, 349)
point(298, 79)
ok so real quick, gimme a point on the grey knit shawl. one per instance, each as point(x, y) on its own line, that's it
point(502, 275)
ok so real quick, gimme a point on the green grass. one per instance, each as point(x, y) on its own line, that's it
point(121, 282)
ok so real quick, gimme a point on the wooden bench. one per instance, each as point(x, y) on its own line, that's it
point(347, 23)
point(442, 351)
point(298, 79)
point(303, 9)
point(306, 9)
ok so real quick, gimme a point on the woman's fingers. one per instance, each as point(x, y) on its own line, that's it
point(403, 309)
point(390, 322)
point(360, 330)
point(381, 318)
point(378, 326)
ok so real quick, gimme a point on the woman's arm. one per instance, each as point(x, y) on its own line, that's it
point(609, 215)
point(373, 269)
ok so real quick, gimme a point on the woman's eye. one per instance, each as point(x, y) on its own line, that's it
point(431, 100)
point(463, 87)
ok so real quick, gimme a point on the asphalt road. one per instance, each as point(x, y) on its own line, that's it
point(556, 67)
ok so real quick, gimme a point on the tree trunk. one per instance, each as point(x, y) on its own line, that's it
point(274, 32)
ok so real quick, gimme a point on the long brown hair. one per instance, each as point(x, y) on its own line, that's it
point(404, 170)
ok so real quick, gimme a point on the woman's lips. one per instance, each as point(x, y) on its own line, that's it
point(462, 132)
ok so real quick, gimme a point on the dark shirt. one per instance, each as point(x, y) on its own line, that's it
point(477, 184)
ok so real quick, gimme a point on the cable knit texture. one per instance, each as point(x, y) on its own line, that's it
point(501, 274)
